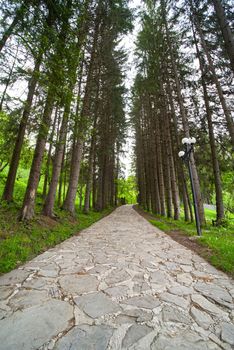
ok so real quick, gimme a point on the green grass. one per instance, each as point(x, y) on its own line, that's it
point(20, 241)
point(220, 240)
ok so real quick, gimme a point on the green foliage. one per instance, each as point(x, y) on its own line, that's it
point(127, 189)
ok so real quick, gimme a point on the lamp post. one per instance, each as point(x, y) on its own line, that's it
point(188, 143)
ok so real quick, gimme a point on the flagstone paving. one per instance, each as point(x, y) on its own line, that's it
point(120, 284)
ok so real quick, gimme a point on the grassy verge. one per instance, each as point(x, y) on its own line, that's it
point(218, 240)
point(20, 242)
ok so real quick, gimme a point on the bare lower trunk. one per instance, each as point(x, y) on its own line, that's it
point(69, 203)
point(47, 171)
point(27, 211)
point(9, 187)
point(50, 199)
point(89, 177)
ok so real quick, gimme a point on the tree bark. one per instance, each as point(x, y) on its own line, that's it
point(18, 15)
point(226, 31)
point(27, 211)
point(185, 124)
point(10, 182)
point(215, 162)
point(227, 113)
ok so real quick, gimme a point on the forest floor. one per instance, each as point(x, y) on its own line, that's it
point(120, 284)
point(216, 244)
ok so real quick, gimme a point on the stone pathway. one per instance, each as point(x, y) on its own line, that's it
point(120, 284)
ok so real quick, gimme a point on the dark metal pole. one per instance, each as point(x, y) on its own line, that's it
point(198, 224)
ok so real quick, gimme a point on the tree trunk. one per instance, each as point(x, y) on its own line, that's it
point(27, 211)
point(10, 182)
point(227, 113)
point(18, 16)
point(226, 30)
point(9, 78)
point(47, 171)
point(90, 174)
point(69, 203)
point(57, 163)
point(185, 126)
point(215, 162)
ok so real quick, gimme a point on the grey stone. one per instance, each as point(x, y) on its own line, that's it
point(78, 284)
point(81, 317)
point(140, 314)
point(180, 290)
point(122, 319)
point(227, 332)
point(50, 270)
point(14, 277)
point(206, 305)
point(96, 304)
point(117, 276)
point(171, 314)
point(134, 333)
point(218, 294)
point(27, 298)
point(158, 277)
point(32, 327)
point(202, 319)
point(174, 299)
point(86, 338)
point(5, 292)
point(185, 278)
point(118, 291)
point(146, 302)
point(187, 340)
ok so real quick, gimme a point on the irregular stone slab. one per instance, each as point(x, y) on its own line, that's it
point(5, 310)
point(184, 278)
point(171, 314)
point(86, 338)
point(118, 291)
point(159, 277)
point(14, 277)
point(50, 270)
point(140, 314)
point(218, 294)
point(146, 302)
point(96, 304)
point(117, 276)
point(81, 317)
point(187, 340)
point(32, 327)
point(181, 290)
point(39, 283)
point(27, 298)
point(5, 292)
point(78, 284)
point(202, 318)
point(206, 305)
point(134, 333)
point(200, 275)
point(174, 299)
point(227, 332)
point(122, 319)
